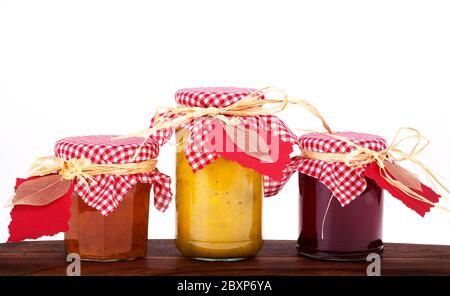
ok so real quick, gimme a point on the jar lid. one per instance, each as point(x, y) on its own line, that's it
point(200, 152)
point(346, 183)
point(211, 96)
point(104, 149)
point(320, 142)
point(105, 192)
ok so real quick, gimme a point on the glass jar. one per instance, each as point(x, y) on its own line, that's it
point(332, 232)
point(122, 235)
point(219, 209)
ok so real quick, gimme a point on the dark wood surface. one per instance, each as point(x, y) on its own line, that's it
point(276, 258)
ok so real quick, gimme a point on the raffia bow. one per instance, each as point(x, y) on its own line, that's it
point(83, 168)
point(251, 105)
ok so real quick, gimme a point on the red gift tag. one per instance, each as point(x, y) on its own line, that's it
point(373, 171)
point(252, 148)
point(34, 221)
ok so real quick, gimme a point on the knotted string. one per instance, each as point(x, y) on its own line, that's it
point(254, 104)
point(83, 168)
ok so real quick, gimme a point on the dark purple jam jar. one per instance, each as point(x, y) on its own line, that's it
point(347, 233)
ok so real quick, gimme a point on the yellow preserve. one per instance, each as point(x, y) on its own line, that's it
point(219, 209)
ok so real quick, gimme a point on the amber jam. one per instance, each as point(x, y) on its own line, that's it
point(122, 235)
point(341, 233)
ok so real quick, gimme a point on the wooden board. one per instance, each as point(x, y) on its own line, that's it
point(276, 258)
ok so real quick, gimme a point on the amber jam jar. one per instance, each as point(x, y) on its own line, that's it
point(122, 235)
point(110, 209)
point(341, 210)
point(219, 210)
point(349, 233)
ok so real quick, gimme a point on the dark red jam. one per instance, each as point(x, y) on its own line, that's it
point(349, 233)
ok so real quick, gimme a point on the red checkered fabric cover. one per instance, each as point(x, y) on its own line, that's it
point(105, 192)
point(198, 156)
point(344, 182)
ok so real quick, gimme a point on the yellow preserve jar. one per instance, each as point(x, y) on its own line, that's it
point(219, 209)
point(223, 155)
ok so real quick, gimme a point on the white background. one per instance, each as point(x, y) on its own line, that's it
point(101, 67)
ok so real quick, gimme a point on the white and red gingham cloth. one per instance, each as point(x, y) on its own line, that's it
point(344, 182)
point(196, 153)
point(107, 191)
